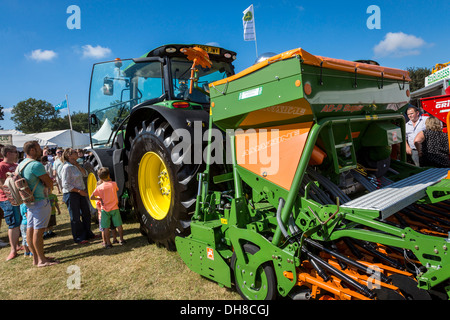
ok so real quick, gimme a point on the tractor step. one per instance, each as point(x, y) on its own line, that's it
point(395, 197)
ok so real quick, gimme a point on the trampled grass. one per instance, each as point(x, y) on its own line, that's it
point(134, 271)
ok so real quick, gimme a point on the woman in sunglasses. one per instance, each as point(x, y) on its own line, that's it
point(75, 196)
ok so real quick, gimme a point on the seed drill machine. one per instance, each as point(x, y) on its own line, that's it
point(316, 199)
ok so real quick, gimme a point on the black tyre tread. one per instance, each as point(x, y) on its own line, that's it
point(184, 176)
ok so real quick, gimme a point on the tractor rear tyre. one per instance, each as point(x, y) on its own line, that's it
point(163, 192)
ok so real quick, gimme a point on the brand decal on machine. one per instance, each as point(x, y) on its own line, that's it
point(443, 104)
point(341, 107)
point(275, 141)
point(286, 110)
point(250, 93)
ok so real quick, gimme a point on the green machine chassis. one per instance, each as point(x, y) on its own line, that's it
point(255, 234)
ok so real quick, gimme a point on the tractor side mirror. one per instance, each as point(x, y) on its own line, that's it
point(93, 119)
point(108, 87)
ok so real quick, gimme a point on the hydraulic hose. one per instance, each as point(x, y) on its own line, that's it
point(368, 247)
point(331, 187)
point(414, 217)
point(353, 249)
point(319, 270)
point(279, 220)
point(347, 260)
point(427, 215)
point(361, 288)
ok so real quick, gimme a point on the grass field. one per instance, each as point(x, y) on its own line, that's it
point(134, 271)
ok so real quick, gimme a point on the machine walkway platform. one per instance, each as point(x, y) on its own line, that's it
point(392, 198)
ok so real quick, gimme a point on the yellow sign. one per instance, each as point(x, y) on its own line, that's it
point(208, 49)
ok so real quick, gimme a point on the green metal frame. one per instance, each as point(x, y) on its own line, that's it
point(226, 232)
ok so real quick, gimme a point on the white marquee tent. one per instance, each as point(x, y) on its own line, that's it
point(60, 138)
point(103, 134)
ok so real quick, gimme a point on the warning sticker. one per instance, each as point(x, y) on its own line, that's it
point(210, 253)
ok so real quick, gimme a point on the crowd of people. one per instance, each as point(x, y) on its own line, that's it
point(427, 144)
point(35, 221)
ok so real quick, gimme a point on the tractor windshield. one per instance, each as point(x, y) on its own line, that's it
point(181, 73)
point(116, 87)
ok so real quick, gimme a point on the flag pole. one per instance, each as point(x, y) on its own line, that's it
point(254, 30)
point(70, 121)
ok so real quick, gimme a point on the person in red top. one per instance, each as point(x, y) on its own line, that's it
point(106, 192)
point(12, 214)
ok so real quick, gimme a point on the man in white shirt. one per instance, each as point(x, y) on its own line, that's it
point(415, 125)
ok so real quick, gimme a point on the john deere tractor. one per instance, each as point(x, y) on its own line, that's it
point(135, 106)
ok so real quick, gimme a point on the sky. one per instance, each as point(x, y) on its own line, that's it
point(43, 57)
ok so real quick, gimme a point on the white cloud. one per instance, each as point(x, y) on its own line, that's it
point(399, 45)
point(95, 52)
point(7, 110)
point(42, 55)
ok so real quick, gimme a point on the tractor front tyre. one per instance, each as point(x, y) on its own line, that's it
point(91, 184)
point(163, 192)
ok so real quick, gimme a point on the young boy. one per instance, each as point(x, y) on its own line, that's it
point(23, 229)
point(106, 192)
point(52, 222)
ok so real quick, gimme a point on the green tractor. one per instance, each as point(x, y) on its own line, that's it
point(316, 198)
point(135, 106)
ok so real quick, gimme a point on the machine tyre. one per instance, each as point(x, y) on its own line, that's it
point(91, 183)
point(163, 192)
point(408, 288)
point(265, 287)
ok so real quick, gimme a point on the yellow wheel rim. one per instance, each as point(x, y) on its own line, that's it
point(154, 185)
point(91, 185)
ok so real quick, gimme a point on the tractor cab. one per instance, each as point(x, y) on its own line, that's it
point(168, 76)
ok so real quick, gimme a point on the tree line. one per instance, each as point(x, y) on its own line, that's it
point(33, 115)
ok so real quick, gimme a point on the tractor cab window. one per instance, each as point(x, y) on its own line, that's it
point(116, 87)
point(181, 73)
